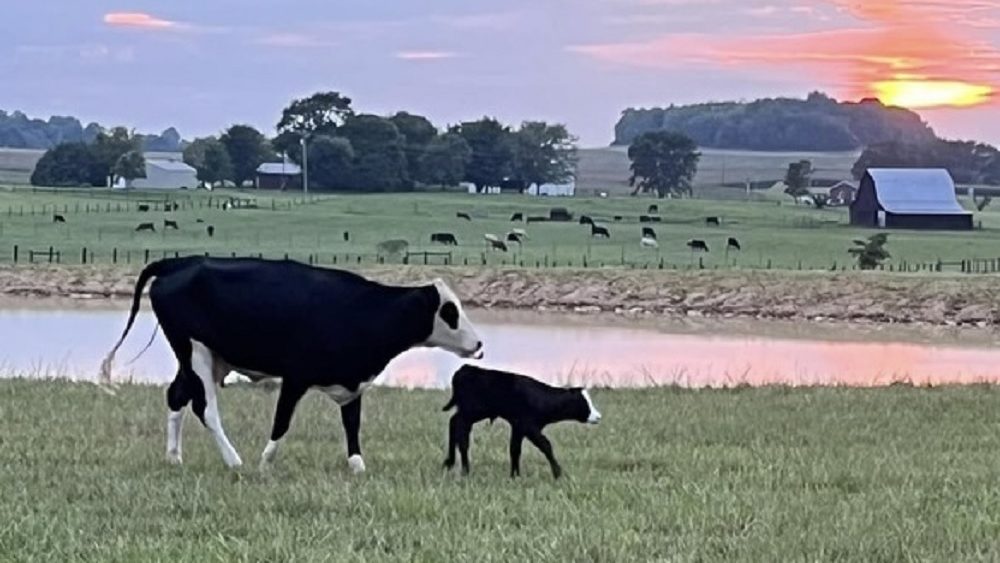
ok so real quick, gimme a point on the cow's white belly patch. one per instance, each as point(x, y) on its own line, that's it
point(341, 395)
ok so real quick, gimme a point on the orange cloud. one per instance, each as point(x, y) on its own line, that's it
point(917, 53)
point(137, 20)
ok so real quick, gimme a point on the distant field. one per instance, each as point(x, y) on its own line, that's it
point(16, 165)
point(778, 234)
point(607, 169)
point(779, 474)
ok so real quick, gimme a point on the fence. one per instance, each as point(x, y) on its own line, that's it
point(133, 206)
point(138, 256)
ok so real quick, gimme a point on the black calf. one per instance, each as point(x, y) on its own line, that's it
point(714, 221)
point(58, 219)
point(211, 231)
point(143, 208)
point(695, 244)
point(585, 220)
point(517, 217)
point(526, 404)
point(465, 216)
point(653, 209)
point(599, 231)
point(444, 238)
point(648, 232)
point(733, 243)
point(168, 224)
point(146, 227)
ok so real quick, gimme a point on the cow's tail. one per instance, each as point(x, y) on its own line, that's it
point(156, 269)
point(451, 404)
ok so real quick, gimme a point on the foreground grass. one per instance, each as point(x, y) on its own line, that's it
point(770, 474)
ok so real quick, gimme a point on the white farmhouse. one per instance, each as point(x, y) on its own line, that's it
point(166, 174)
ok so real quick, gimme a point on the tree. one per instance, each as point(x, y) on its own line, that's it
point(871, 253)
point(444, 160)
point(492, 152)
point(319, 114)
point(797, 178)
point(331, 163)
point(544, 154)
point(130, 166)
point(379, 161)
point(247, 149)
point(108, 147)
point(210, 158)
point(968, 162)
point(67, 164)
point(663, 162)
point(418, 132)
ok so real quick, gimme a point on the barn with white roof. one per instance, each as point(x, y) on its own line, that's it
point(909, 198)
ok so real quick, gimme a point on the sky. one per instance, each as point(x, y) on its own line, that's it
point(202, 66)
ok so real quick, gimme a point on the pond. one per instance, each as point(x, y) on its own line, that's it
point(70, 342)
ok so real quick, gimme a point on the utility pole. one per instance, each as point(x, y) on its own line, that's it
point(305, 165)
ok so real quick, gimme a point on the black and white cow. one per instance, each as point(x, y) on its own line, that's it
point(526, 404)
point(312, 328)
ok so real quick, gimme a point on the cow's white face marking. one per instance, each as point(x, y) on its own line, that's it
point(594, 417)
point(452, 329)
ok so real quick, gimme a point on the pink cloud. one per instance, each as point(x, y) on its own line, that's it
point(137, 20)
point(425, 55)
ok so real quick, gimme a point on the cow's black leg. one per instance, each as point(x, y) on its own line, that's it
point(449, 461)
point(516, 438)
point(178, 397)
point(543, 444)
point(350, 415)
point(288, 398)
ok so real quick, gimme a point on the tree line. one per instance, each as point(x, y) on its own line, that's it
point(349, 151)
point(818, 123)
point(19, 131)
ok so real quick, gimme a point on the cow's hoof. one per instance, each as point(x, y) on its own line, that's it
point(234, 463)
point(356, 463)
point(174, 458)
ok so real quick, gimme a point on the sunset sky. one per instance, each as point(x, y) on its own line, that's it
point(201, 66)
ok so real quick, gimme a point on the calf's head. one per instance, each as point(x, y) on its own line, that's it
point(452, 330)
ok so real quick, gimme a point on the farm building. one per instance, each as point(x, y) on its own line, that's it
point(839, 193)
point(166, 174)
point(278, 176)
point(910, 198)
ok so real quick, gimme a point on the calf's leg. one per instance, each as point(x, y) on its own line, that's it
point(516, 438)
point(350, 416)
point(287, 400)
point(543, 444)
point(453, 425)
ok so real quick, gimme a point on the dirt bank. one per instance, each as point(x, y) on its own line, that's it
point(851, 297)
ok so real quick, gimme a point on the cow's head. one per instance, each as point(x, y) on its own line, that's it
point(452, 330)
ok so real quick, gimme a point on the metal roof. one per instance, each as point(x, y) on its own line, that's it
point(171, 165)
point(287, 168)
point(916, 190)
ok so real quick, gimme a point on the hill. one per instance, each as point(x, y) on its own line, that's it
point(18, 131)
point(818, 123)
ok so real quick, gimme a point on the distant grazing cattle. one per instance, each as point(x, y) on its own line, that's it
point(697, 245)
point(733, 243)
point(347, 236)
point(444, 238)
point(714, 221)
point(211, 231)
point(517, 217)
point(653, 209)
point(58, 219)
point(645, 219)
point(310, 328)
point(537, 219)
point(495, 242)
point(199, 220)
point(142, 208)
point(618, 218)
point(515, 237)
point(585, 220)
point(168, 224)
point(146, 227)
point(560, 214)
point(602, 195)
point(599, 231)
point(465, 216)
point(526, 404)
point(648, 232)
point(227, 205)
point(521, 232)
point(392, 246)
point(647, 242)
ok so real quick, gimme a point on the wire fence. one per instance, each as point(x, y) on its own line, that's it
point(83, 255)
point(156, 205)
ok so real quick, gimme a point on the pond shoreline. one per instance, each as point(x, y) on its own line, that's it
point(824, 297)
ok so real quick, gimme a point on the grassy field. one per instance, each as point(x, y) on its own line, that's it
point(607, 169)
point(783, 235)
point(749, 474)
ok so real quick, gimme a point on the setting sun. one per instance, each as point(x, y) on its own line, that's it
point(914, 93)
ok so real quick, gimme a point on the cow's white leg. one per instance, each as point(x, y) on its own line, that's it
point(201, 363)
point(175, 420)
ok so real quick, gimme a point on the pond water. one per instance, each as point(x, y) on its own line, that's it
point(71, 342)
